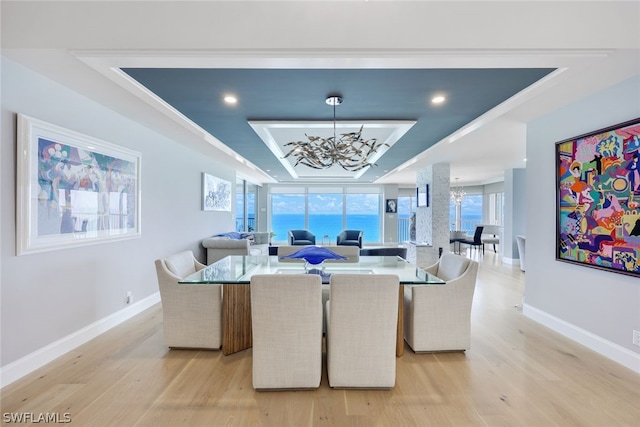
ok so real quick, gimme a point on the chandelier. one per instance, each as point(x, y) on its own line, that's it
point(349, 150)
point(457, 194)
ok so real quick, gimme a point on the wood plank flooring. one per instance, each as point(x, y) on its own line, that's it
point(517, 373)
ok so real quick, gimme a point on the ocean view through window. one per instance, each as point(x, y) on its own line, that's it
point(325, 212)
point(471, 213)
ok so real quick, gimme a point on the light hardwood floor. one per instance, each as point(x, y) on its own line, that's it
point(517, 373)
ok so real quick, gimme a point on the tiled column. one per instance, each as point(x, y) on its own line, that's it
point(432, 222)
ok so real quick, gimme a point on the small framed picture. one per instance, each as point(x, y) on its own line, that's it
point(216, 193)
point(422, 196)
point(391, 206)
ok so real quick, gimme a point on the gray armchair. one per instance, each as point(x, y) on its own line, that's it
point(301, 238)
point(350, 238)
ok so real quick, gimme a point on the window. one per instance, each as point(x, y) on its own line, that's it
point(469, 213)
point(240, 218)
point(245, 205)
point(496, 208)
point(326, 211)
point(363, 213)
point(288, 212)
point(406, 208)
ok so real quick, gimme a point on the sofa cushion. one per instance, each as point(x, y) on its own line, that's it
point(248, 236)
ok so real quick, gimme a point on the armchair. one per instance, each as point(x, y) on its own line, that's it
point(438, 318)
point(301, 238)
point(350, 238)
point(191, 314)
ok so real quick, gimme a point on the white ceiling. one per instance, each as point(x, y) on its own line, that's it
point(78, 44)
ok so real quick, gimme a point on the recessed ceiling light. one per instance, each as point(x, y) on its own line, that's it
point(230, 99)
point(525, 159)
point(437, 99)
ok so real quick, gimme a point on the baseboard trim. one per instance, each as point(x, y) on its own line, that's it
point(32, 361)
point(511, 261)
point(608, 349)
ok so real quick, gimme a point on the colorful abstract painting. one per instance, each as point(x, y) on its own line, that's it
point(598, 209)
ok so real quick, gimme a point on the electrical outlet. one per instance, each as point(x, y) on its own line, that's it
point(636, 337)
point(129, 297)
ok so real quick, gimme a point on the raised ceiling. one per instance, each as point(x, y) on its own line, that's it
point(275, 104)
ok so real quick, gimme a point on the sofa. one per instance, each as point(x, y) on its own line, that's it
point(232, 243)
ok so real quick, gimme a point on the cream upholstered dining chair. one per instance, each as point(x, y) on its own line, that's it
point(362, 318)
point(191, 314)
point(438, 317)
point(286, 318)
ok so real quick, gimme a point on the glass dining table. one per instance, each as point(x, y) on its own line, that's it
point(235, 271)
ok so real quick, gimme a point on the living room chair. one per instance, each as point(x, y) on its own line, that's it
point(191, 314)
point(301, 238)
point(362, 316)
point(286, 316)
point(349, 238)
point(438, 317)
point(476, 241)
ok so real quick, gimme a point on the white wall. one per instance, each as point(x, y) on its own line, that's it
point(515, 197)
point(47, 296)
point(598, 308)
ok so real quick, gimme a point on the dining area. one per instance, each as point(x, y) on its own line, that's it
point(354, 313)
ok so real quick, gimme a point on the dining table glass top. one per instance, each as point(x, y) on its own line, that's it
point(238, 269)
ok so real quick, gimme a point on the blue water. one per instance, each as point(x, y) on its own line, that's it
point(322, 225)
